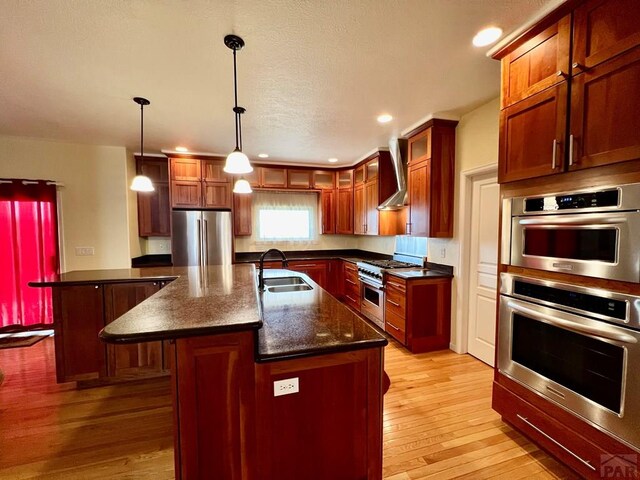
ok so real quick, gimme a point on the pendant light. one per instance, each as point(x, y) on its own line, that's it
point(141, 183)
point(237, 162)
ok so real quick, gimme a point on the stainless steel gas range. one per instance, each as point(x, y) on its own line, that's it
point(372, 274)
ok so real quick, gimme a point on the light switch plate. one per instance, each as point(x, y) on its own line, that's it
point(84, 251)
point(285, 387)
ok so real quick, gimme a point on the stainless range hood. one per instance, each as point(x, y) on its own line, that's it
point(399, 199)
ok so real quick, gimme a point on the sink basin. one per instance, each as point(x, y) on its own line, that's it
point(280, 281)
point(289, 288)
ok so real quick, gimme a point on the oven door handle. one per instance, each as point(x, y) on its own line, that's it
point(591, 220)
point(371, 284)
point(574, 327)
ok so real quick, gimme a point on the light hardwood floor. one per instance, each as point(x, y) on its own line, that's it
point(438, 423)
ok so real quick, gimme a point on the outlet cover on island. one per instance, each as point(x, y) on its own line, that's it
point(84, 251)
point(285, 387)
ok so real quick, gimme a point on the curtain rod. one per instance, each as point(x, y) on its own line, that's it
point(35, 182)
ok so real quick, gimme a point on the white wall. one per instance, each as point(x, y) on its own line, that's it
point(95, 199)
point(476, 146)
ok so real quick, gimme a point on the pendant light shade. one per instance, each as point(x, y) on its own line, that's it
point(242, 186)
point(141, 183)
point(237, 162)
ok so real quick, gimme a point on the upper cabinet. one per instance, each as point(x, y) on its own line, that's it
point(298, 179)
point(197, 183)
point(323, 179)
point(584, 115)
point(154, 208)
point(430, 180)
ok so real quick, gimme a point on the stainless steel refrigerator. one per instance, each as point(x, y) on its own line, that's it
point(201, 237)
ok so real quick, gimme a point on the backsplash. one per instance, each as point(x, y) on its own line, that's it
point(324, 242)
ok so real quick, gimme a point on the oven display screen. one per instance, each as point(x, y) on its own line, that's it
point(572, 243)
point(589, 367)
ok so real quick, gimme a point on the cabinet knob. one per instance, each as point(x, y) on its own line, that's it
point(578, 66)
point(96, 286)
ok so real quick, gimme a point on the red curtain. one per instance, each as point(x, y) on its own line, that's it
point(28, 251)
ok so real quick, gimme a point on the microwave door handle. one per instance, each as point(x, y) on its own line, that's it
point(574, 327)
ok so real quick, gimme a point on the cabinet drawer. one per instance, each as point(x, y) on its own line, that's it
point(352, 299)
point(395, 301)
point(395, 326)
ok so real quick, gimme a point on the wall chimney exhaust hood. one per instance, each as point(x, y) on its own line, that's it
point(399, 199)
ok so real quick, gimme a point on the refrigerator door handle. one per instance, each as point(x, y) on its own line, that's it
point(199, 237)
point(205, 243)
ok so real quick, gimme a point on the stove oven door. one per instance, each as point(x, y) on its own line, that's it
point(372, 302)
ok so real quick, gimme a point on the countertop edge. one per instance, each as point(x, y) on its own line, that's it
point(375, 343)
point(177, 334)
point(58, 283)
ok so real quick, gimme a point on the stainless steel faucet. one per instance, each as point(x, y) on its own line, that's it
point(285, 263)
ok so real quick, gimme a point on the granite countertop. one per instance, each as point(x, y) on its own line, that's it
point(419, 273)
point(309, 322)
point(225, 298)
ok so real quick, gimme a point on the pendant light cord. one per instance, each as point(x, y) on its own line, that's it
point(141, 131)
point(235, 96)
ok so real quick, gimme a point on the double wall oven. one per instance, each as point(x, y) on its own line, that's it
point(570, 342)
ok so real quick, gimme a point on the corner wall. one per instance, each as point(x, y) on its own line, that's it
point(94, 199)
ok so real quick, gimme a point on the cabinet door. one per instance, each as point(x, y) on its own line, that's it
point(253, 177)
point(371, 208)
point(242, 209)
point(345, 179)
point(317, 270)
point(605, 124)
point(273, 177)
point(323, 179)
point(532, 134)
point(186, 193)
point(298, 178)
point(213, 171)
point(418, 183)
point(344, 212)
point(185, 169)
point(359, 175)
point(216, 194)
point(538, 64)
point(157, 169)
point(371, 169)
point(419, 147)
point(154, 212)
point(78, 318)
point(359, 213)
point(602, 30)
point(328, 211)
point(136, 358)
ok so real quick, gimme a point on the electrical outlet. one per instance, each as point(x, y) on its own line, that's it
point(443, 252)
point(84, 251)
point(285, 387)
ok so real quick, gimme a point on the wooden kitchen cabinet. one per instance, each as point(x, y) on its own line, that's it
point(242, 214)
point(78, 314)
point(371, 202)
point(273, 177)
point(418, 312)
point(351, 285)
point(359, 210)
point(135, 359)
point(154, 208)
point(526, 155)
point(345, 179)
point(298, 179)
point(199, 183)
point(323, 180)
point(328, 206)
point(359, 176)
point(344, 211)
point(430, 180)
point(317, 270)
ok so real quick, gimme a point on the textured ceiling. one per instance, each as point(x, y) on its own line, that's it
point(313, 76)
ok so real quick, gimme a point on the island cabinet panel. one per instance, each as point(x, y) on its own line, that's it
point(331, 428)
point(78, 317)
point(135, 358)
point(214, 407)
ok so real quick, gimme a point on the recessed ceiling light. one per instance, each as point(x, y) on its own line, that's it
point(487, 36)
point(384, 118)
point(333, 160)
point(182, 149)
point(263, 155)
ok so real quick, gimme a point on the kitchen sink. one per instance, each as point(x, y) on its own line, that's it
point(283, 281)
point(289, 288)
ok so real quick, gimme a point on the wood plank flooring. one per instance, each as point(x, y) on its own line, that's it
point(438, 423)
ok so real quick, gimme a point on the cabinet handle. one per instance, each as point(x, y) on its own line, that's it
point(397, 285)
point(560, 73)
point(553, 157)
point(155, 283)
point(393, 326)
point(351, 281)
point(579, 66)
point(393, 303)
point(585, 462)
point(349, 297)
point(306, 265)
point(571, 138)
point(96, 286)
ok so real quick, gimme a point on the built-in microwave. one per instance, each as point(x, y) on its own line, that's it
point(591, 232)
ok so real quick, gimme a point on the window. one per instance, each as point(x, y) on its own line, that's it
point(285, 217)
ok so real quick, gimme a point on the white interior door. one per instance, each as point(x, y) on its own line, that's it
point(483, 271)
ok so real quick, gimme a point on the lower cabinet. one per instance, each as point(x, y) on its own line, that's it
point(418, 312)
point(80, 312)
point(351, 285)
point(316, 270)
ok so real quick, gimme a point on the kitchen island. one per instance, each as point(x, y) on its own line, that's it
point(228, 344)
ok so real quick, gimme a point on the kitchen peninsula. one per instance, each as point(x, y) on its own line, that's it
point(273, 384)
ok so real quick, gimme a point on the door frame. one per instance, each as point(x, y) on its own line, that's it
point(459, 342)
